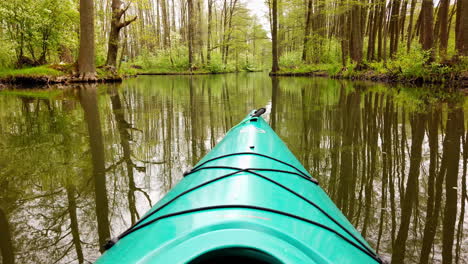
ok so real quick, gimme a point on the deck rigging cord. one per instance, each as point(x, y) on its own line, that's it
point(242, 206)
point(363, 247)
point(256, 154)
point(357, 243)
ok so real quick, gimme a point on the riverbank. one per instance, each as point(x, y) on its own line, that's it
point(196, 72)
point(135, 69)
point(53, 74)
point(64, 74)
point(454, 74)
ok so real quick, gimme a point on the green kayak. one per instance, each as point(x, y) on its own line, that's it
point(249, 200)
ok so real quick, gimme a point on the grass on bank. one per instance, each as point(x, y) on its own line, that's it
point(129, 69)
point(175, 61)
point(51, 71)
point(39, 71)
point(415, 65)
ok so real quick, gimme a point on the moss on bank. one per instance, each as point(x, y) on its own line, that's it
point(52, 74)
point(136, 69)
point(30, 72)
point(391, 72)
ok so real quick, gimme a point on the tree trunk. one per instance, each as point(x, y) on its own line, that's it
point(199, 32)
point(403, 19)
point(410, 26)
point(461, 28)
point(114, 35)
point(355, 42)
point(394, 27)
point(190, 33)
point(374, 16)
point(307, 30)
point(229, 12)
point(224, 31)
point(443, 27)
point(166, 25)
point(158, 25)
point(274, 36)
point(426, 36)
point(86, 66)
point(173, 23)
point(381, 24)
point(208, 42)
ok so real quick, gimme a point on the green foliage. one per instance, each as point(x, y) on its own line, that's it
point(175, 59)
point(31, 72)
point(412, 64)
point(416, 65)
point(37, 28)
point(127, 69)
point(461, 65)
point(100, 55)
point(216, 64)
point(291, 60)
point(6, 54)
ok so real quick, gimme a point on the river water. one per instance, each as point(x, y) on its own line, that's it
point(80, 164)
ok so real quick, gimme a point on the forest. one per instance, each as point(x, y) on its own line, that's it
point(86, 149)
point(409, 39)
point(78, 166)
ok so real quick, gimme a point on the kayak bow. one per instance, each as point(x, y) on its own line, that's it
point(249, 200)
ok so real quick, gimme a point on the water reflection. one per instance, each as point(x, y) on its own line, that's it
point(81, 165)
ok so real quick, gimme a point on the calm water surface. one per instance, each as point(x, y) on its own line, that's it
point(79, 165)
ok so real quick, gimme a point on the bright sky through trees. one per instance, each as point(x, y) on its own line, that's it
point(259, 9)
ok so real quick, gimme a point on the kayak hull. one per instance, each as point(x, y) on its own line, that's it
point(250, 194)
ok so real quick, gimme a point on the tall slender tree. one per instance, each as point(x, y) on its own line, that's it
point(443, 26)
point(426, 30)
point(274, 37)
point(116, 25)
point(190, 41)
point(307, 30)
point(356, 36)
point(461, 28)
point(86, 65)
point(166, 24)
point(410, 26)
point(208, 41)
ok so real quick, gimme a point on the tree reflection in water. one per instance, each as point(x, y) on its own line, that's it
point(80, 166)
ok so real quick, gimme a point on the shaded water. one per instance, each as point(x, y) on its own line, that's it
point(81, 165)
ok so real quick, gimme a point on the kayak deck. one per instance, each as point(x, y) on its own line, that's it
point(248, 198)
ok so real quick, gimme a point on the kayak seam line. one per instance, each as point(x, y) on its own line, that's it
point(321, 210)
point(135, 227)
point(194, 188)
point(130, 230)
point(257, 169)
point(252, 153)
point(375, 257)
point(309, 202)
